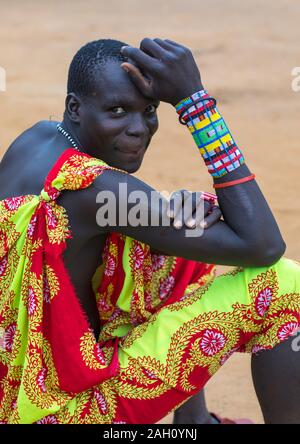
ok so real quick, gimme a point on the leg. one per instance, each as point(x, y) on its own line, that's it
point(276, 377)
point(194, 411)
point(169, 358)
point(186, 342)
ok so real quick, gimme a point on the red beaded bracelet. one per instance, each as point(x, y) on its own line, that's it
point(209, 197)
point(234, 182)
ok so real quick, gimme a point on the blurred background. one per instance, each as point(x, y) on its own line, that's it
point(246, 52)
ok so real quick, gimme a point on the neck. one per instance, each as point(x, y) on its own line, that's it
point(71, 129)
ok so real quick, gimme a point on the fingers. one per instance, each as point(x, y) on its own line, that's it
point(172, 43)
point(183, 205)
point(152, 48)
point(197, 219)
point(190, 209)
point(213, 217)
point(143, 60)
point(169, 45)
point(180, 208)
point(164, 44)
point(176, 205)
point(180, 198)
point(137, 77)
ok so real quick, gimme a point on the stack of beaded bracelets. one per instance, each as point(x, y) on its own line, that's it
point(210, 133)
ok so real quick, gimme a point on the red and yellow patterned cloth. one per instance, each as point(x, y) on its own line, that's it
point(167, 325)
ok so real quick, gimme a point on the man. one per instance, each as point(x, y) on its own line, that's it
point(161, 335)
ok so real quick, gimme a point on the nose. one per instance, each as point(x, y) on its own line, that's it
point(137, 126)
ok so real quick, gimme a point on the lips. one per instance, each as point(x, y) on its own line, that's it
point(131, 150)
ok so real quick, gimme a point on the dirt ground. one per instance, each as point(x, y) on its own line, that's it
point(246, 51)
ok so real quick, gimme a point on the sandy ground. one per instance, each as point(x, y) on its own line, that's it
point(245, 50)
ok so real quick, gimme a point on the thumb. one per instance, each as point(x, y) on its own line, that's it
point(137, 77)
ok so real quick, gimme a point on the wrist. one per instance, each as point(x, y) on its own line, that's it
point(214, 140)
point(190, 100)
point(194, 105)
point(186, 93)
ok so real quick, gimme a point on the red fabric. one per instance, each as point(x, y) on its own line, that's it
point(64, 321)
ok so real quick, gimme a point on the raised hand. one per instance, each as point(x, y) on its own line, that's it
point(162, 70)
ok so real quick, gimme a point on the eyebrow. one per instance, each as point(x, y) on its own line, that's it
point(113, 101)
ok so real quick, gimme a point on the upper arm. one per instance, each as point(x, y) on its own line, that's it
point(26, 138)
point(218, 244)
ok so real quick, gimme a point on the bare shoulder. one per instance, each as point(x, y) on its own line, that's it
point(39, 130)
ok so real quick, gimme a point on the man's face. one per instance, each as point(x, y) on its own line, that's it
point(117, 122)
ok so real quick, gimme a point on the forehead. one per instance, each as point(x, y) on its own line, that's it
point(113, 84)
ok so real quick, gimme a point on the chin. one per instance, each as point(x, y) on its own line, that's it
point(131, 168)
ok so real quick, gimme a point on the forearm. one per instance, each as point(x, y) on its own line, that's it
point(244, 207)
point(246, 211)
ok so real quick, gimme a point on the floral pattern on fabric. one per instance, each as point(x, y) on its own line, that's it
point(35, 292)
point(166, 324)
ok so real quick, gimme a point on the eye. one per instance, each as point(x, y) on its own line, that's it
point(151, 109)
point(116, 110)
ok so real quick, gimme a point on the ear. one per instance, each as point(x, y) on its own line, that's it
point(73, 107)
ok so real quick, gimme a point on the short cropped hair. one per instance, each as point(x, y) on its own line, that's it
point(87, 62)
